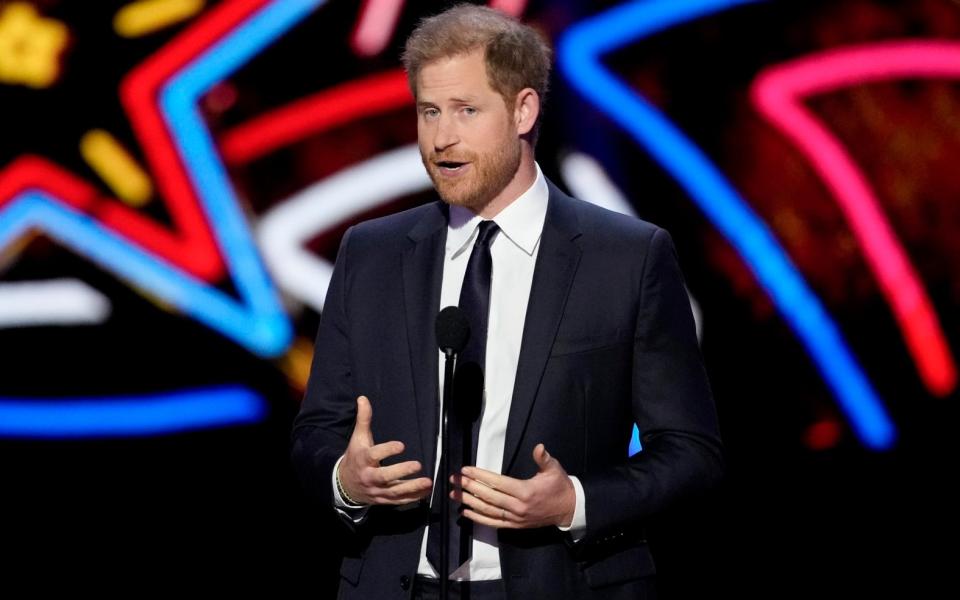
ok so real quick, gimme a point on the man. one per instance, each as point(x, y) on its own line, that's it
point(588, 329)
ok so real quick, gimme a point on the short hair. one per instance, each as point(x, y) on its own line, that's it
point(515, 54)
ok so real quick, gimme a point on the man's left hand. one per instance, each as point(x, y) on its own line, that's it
point(495, 500)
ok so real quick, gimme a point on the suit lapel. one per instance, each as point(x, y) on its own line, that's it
point(422, 276)
point(557, 262)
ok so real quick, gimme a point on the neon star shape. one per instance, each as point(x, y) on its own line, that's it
point(34, 193)
point(30, 46)
point(161, 97)
point(778, 94)
point(579, 53)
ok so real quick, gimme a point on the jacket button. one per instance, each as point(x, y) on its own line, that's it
point(404, 582)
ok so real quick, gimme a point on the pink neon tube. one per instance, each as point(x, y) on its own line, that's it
point(778, 94)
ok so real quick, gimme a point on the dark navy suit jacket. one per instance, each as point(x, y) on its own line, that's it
point(608, 340)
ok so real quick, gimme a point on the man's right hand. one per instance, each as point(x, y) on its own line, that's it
point(361, 475)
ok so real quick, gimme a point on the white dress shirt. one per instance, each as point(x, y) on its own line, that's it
point(514, 253)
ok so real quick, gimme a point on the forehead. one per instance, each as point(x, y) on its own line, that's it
point(456, 76)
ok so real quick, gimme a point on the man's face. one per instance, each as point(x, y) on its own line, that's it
point(468, 138)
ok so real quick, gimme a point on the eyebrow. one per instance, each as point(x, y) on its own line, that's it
point(466, 100)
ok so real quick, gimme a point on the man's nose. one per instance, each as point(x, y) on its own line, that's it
point(446, 134)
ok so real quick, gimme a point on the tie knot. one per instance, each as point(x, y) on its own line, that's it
point(488, 231)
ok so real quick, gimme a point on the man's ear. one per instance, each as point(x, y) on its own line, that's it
point(526, 110)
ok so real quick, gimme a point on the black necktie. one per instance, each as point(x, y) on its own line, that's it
point(464, 411)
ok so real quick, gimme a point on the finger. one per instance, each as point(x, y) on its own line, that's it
point(385, 450)
point(489, 522)
point(508, 485)
point(406, 491)
point(490, 509)
point(490, 495)
point(541, 457)
point(388, 475)
point(361, 428)
point(482, 507)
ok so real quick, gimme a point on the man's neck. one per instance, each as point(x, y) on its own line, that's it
point(525, 176)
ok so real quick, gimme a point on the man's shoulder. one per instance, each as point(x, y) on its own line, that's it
point(602, 225)
point(397, 228)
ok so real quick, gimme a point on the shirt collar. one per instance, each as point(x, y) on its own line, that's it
point(521, 221)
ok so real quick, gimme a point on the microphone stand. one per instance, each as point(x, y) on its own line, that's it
point(444, 574)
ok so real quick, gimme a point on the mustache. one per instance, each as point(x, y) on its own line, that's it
point(460, 158)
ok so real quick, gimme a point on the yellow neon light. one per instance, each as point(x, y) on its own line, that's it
point(17, 247)
point(116, 167)
point(146, 16)
point(30, 46)
point(295, 364)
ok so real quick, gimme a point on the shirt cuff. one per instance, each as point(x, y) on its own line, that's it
point(354, 512)
point(578, 527)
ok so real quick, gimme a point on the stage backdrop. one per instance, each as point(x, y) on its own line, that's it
point(175, 177)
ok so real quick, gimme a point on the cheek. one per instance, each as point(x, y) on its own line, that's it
point(499, 134)
point(493, 150)
point(424, 131)
point(489, 140)
point(423, 143)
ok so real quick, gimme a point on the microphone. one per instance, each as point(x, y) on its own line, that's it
point(453, 330)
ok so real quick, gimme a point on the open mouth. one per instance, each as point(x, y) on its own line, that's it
point(451, 166)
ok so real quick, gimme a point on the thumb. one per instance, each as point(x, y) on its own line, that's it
point(542, 457)
point(361, 430)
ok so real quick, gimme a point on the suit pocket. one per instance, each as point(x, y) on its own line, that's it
point(581, 344)
point(633, 562)
point(350, 568)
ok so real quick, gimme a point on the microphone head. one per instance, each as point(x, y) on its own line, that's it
point(453, 329)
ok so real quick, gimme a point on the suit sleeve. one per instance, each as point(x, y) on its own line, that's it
point(325, 422)
point(672, 404)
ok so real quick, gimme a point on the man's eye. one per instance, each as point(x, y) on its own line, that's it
point(430, 112)
point(469, 110)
